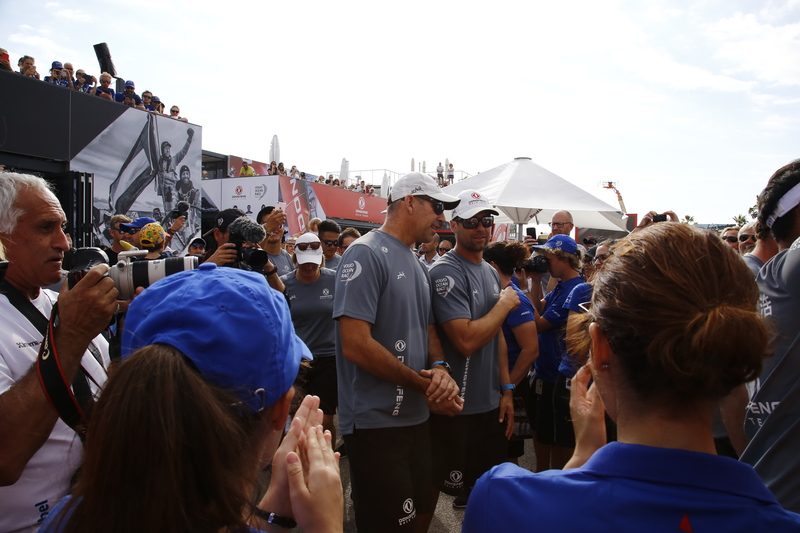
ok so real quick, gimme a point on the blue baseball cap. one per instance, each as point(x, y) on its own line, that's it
point(559, 242)
point(230, 323)
point(130, 83)
point(138, 223)
point(56, 65)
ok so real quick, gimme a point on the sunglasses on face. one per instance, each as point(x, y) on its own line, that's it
point(745, 236)
point(472, 223)
point(130, 231)
point(731, 239)
point(438, 207)
point(303, 246)
point(331, 243)
point(444, 249)
point(174, 111)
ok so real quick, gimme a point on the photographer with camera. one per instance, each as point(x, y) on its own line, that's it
point(39, 453)
point(235, 243)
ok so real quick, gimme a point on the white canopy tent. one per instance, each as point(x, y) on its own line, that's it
point(522, 190)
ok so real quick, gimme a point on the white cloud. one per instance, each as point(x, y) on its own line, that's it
point(51, 4)
point(74, 14)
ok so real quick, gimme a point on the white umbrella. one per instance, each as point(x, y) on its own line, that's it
point(275, 150)
point(522, 190)
point(344, 172)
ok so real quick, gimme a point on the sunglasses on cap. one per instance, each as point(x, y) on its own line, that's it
point(745, 236)
point(731, 238)
point(438, 207)
point(472, 223)
point(303, 246)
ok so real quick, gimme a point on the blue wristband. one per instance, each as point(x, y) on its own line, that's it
point(510, 386)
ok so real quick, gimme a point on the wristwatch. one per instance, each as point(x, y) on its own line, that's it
point(444, 364)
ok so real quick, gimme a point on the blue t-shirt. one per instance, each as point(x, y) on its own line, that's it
point(628, 488)
point(524, 313)
point(110, 91)
point(120, 97)
point(51, 525)
point(582, 293)
point(552, 344)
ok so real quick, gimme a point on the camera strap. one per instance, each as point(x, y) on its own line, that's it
point(72, 404)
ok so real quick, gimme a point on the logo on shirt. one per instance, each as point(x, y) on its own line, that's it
point(326, 294)
point(350, 271)
point(455, 480)
point(401, 274)
point(400, 345)
point(444, 285)
point(27, 344)
point(408, 508)
point(495, 288)
point(384, 249)
point(765, 305)
point(292, 297)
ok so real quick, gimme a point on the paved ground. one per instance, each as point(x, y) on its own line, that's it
point(445, 519)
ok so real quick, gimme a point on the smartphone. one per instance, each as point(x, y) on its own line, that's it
point(530, 232)
point(4, 57)
point(660, 218)
point(281, 205)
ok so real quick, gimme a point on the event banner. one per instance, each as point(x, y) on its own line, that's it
point(302, 200)
point(145, 165)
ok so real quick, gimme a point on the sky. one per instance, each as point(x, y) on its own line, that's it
point(687, 106)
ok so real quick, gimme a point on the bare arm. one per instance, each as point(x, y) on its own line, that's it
point(26, 417)
point(469, 335)
point(506, 396)
point(528, 339)
point(359, 347)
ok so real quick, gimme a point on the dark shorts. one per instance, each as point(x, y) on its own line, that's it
point(562, 419)
point(464, 447)
point(390, 473)
point(545, 429)
point(319, 379)
point(522, 423)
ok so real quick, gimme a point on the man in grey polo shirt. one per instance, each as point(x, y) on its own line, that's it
point(470, 309)
point(386, 347)
point(773, 416)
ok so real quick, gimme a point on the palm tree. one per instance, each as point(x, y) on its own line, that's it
point(753, 212)
point(688, 219)
point(740, 220)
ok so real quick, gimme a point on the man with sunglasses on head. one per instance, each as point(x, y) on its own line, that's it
point(470, 307)
point(118, 234)
point(387, 361)
point(329, 231)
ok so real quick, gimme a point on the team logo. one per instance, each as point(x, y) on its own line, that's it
point(400, 345)
point(401, 274)
point(476, 195)
point(444, 285)
point(416, 190)
point(361, 202)
point(325, 292)
point(239, 189)
point(384, 249)
point(456, 476)
point(408, 506)
point(350, 271)
point(496, 288)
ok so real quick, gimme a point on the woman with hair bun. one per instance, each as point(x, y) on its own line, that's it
point(519, 331)
point(673, 329)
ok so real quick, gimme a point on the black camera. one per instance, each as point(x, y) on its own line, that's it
point(255, 257)
point(128, 275)
point(660, 218)
point(536, 263)
point(181, 210)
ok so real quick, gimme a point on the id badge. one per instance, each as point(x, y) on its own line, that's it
point(539, 386)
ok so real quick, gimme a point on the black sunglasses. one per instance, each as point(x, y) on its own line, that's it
point(130, 231)
point(472, 223)
point(444, 249)
point(730, 238)
point(744, 236)
point(303, 246)
point(438, 207)
point(331, 243)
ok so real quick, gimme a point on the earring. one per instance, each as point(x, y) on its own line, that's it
point(604, 366)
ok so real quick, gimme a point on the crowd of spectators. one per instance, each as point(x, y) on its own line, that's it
point(65, 75)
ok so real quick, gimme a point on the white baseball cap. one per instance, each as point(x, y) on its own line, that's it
point(309, 255)
point(418, 184)
point(472, 203)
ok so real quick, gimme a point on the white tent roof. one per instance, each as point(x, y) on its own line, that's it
point(522, 189)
